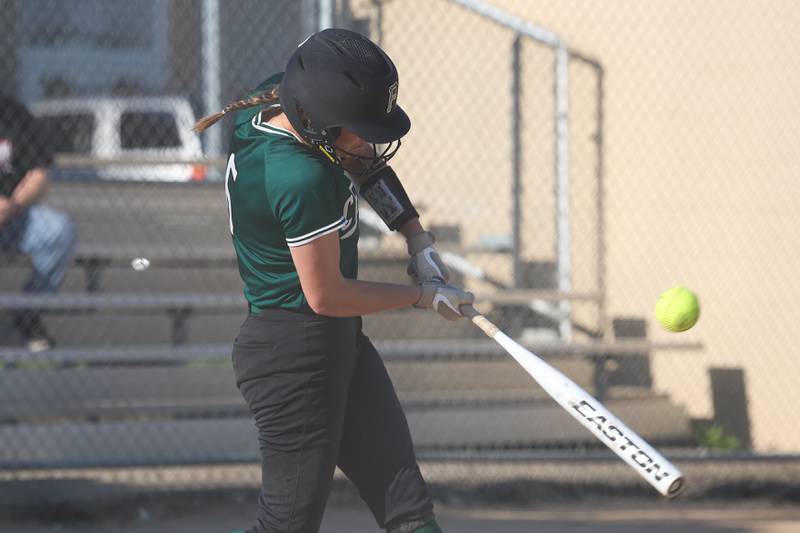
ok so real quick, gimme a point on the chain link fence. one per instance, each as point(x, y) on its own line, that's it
point(573, 160)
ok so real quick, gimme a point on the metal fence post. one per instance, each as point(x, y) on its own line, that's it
point(564, 240)
point(516, 160)
point(211, 73)
point(326, 14)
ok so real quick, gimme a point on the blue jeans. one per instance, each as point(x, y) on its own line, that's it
point(48, 238)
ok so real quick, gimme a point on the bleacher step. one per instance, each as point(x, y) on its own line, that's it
point(36, 391)
point(222, 440)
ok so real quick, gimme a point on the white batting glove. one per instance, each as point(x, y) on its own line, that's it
point(444, 299)
point(426, 264)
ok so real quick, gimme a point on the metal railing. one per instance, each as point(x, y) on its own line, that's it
point(563, 54)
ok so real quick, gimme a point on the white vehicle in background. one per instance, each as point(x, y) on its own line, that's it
point(130, 138)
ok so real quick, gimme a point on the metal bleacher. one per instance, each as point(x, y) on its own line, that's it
point(142, 365)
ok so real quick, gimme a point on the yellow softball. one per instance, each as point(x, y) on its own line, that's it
point(677, 309)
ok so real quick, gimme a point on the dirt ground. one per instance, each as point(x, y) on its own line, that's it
point(619, 517)
point(505, 497)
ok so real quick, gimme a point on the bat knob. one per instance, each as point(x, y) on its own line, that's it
point(468, 311)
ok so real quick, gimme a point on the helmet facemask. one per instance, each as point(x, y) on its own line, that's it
point(325, 139)
point(361, 165)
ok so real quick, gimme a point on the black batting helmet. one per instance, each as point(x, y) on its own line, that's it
point(340, 79)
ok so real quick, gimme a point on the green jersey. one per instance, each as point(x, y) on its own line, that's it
point(281, 194)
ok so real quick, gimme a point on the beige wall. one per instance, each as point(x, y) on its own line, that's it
point(702, 151)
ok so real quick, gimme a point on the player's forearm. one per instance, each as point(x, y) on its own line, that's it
point(31, 189)
point(356, 298)
point(411, 228)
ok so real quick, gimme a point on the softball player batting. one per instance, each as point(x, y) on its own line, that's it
point(305, 143)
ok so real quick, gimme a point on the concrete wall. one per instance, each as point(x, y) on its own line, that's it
point(701, 166)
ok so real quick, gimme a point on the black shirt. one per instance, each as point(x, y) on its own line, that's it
point(23, 144)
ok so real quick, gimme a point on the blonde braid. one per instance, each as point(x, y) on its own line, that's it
point(268, 97)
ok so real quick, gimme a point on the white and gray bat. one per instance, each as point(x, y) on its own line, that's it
point(593, 415)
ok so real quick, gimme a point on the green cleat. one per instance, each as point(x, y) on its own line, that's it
point(430, 527)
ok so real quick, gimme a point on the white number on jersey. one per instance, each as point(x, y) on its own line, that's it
point(230, 178)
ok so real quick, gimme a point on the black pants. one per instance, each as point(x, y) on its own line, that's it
point(321, 397)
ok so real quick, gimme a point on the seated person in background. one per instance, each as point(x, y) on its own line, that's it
point(43, 234)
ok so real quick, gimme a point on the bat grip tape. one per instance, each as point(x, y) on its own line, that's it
point(479, 320)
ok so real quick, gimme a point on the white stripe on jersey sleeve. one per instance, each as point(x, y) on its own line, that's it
point(308, 237)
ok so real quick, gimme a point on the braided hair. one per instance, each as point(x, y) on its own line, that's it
point(269, 97)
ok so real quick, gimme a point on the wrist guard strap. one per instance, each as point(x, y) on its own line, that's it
point(386, 195)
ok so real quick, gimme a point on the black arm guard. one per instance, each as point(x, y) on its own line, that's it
point(386, 195)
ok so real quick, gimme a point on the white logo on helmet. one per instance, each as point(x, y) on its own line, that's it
point(392, 97)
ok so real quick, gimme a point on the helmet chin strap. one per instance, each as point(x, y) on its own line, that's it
point(330, 153)
point(322, 139)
